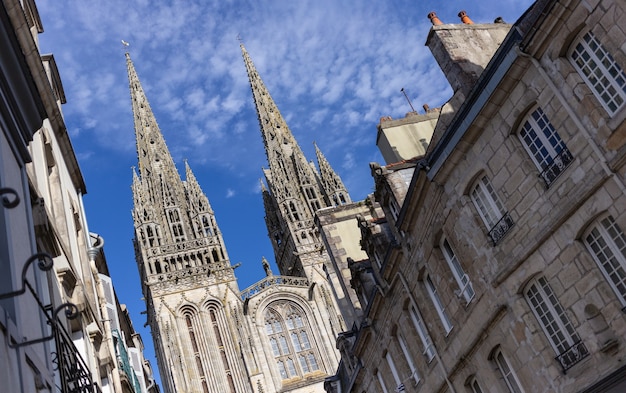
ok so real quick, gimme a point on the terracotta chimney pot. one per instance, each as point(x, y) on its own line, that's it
point(464, 18)
point(434, 19)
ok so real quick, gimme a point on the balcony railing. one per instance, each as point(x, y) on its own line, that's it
point(572, 355)
point(271, 281)
point(501, 228)
point(74, 374)
point(557, 166)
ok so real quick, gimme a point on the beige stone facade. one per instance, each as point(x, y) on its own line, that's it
point(406, 138)
point(512, 269)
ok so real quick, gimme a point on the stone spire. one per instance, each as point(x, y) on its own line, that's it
point(295, 192)
point(336, 191)
point(154, 157)
point(168, 213)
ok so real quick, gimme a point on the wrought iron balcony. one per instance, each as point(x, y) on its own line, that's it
point(572, 355)
point(557, 166)
point(501, 228)
point(74, 374)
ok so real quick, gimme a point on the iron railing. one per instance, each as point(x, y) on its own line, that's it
point(557, 166)
point(501, 228)
point(572, 355)
point(74, 373)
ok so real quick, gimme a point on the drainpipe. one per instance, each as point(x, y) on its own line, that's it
point(93, 252)
point(572, 114)
point(438, 359)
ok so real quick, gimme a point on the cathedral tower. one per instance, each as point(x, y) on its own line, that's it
point(187, 279)
point(295, 189)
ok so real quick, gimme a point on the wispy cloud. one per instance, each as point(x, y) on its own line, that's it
point(333, 67)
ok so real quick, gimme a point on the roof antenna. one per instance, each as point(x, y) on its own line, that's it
point(409, 101)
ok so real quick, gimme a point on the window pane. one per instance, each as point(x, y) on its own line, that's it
point(599, 70)
point(447, 325)
point(607, 244)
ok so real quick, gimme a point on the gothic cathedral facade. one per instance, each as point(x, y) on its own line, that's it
point(210, 336)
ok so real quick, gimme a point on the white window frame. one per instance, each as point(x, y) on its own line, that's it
point(381, 382)
point(606, 243)
point(487, 202)
point(544, 146)
point(508, 374)
point(590, 58)
point(394, 370)
point(554, 322)
point(474, 385)
point(441, 310)
point(462, 279)
point(409, 359)
point(418, 324)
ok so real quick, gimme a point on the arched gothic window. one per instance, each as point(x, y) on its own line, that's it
point(289, 335)
point(191, 322)
point(206, 225)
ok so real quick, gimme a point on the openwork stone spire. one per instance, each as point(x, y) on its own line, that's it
point(175, 227)
point(336, 191)
point(295, 188)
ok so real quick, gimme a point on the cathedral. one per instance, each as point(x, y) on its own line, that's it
point(209, 335)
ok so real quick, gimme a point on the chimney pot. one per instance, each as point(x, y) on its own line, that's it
point(434, 19)
point(464, 18)
point(426, 108)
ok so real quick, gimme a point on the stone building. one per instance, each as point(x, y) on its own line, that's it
point(210, 336)
point(510, 265)
point(57, 302)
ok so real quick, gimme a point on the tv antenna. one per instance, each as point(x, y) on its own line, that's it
point(407, 98)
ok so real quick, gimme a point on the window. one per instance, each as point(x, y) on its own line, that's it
point(601, 73)
point(207, 226)
point(191, 322)
point(491, 210)
point(394, 371)
point(427, 343)
point(176, 225)
point(288, 332)
point(507, 372)
point(409, 359)
point(394, 208)
point(462, 279)
point(381, 382)
point(441, 311)
point(545, 146)
point(555, 323)
point(473, 385)
point(607, 244)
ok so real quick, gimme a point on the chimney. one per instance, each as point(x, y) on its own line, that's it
point(434, 19)
point(464, 50)
point(464, 18)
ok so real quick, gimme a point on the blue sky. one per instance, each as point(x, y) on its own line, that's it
point(333, 68)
